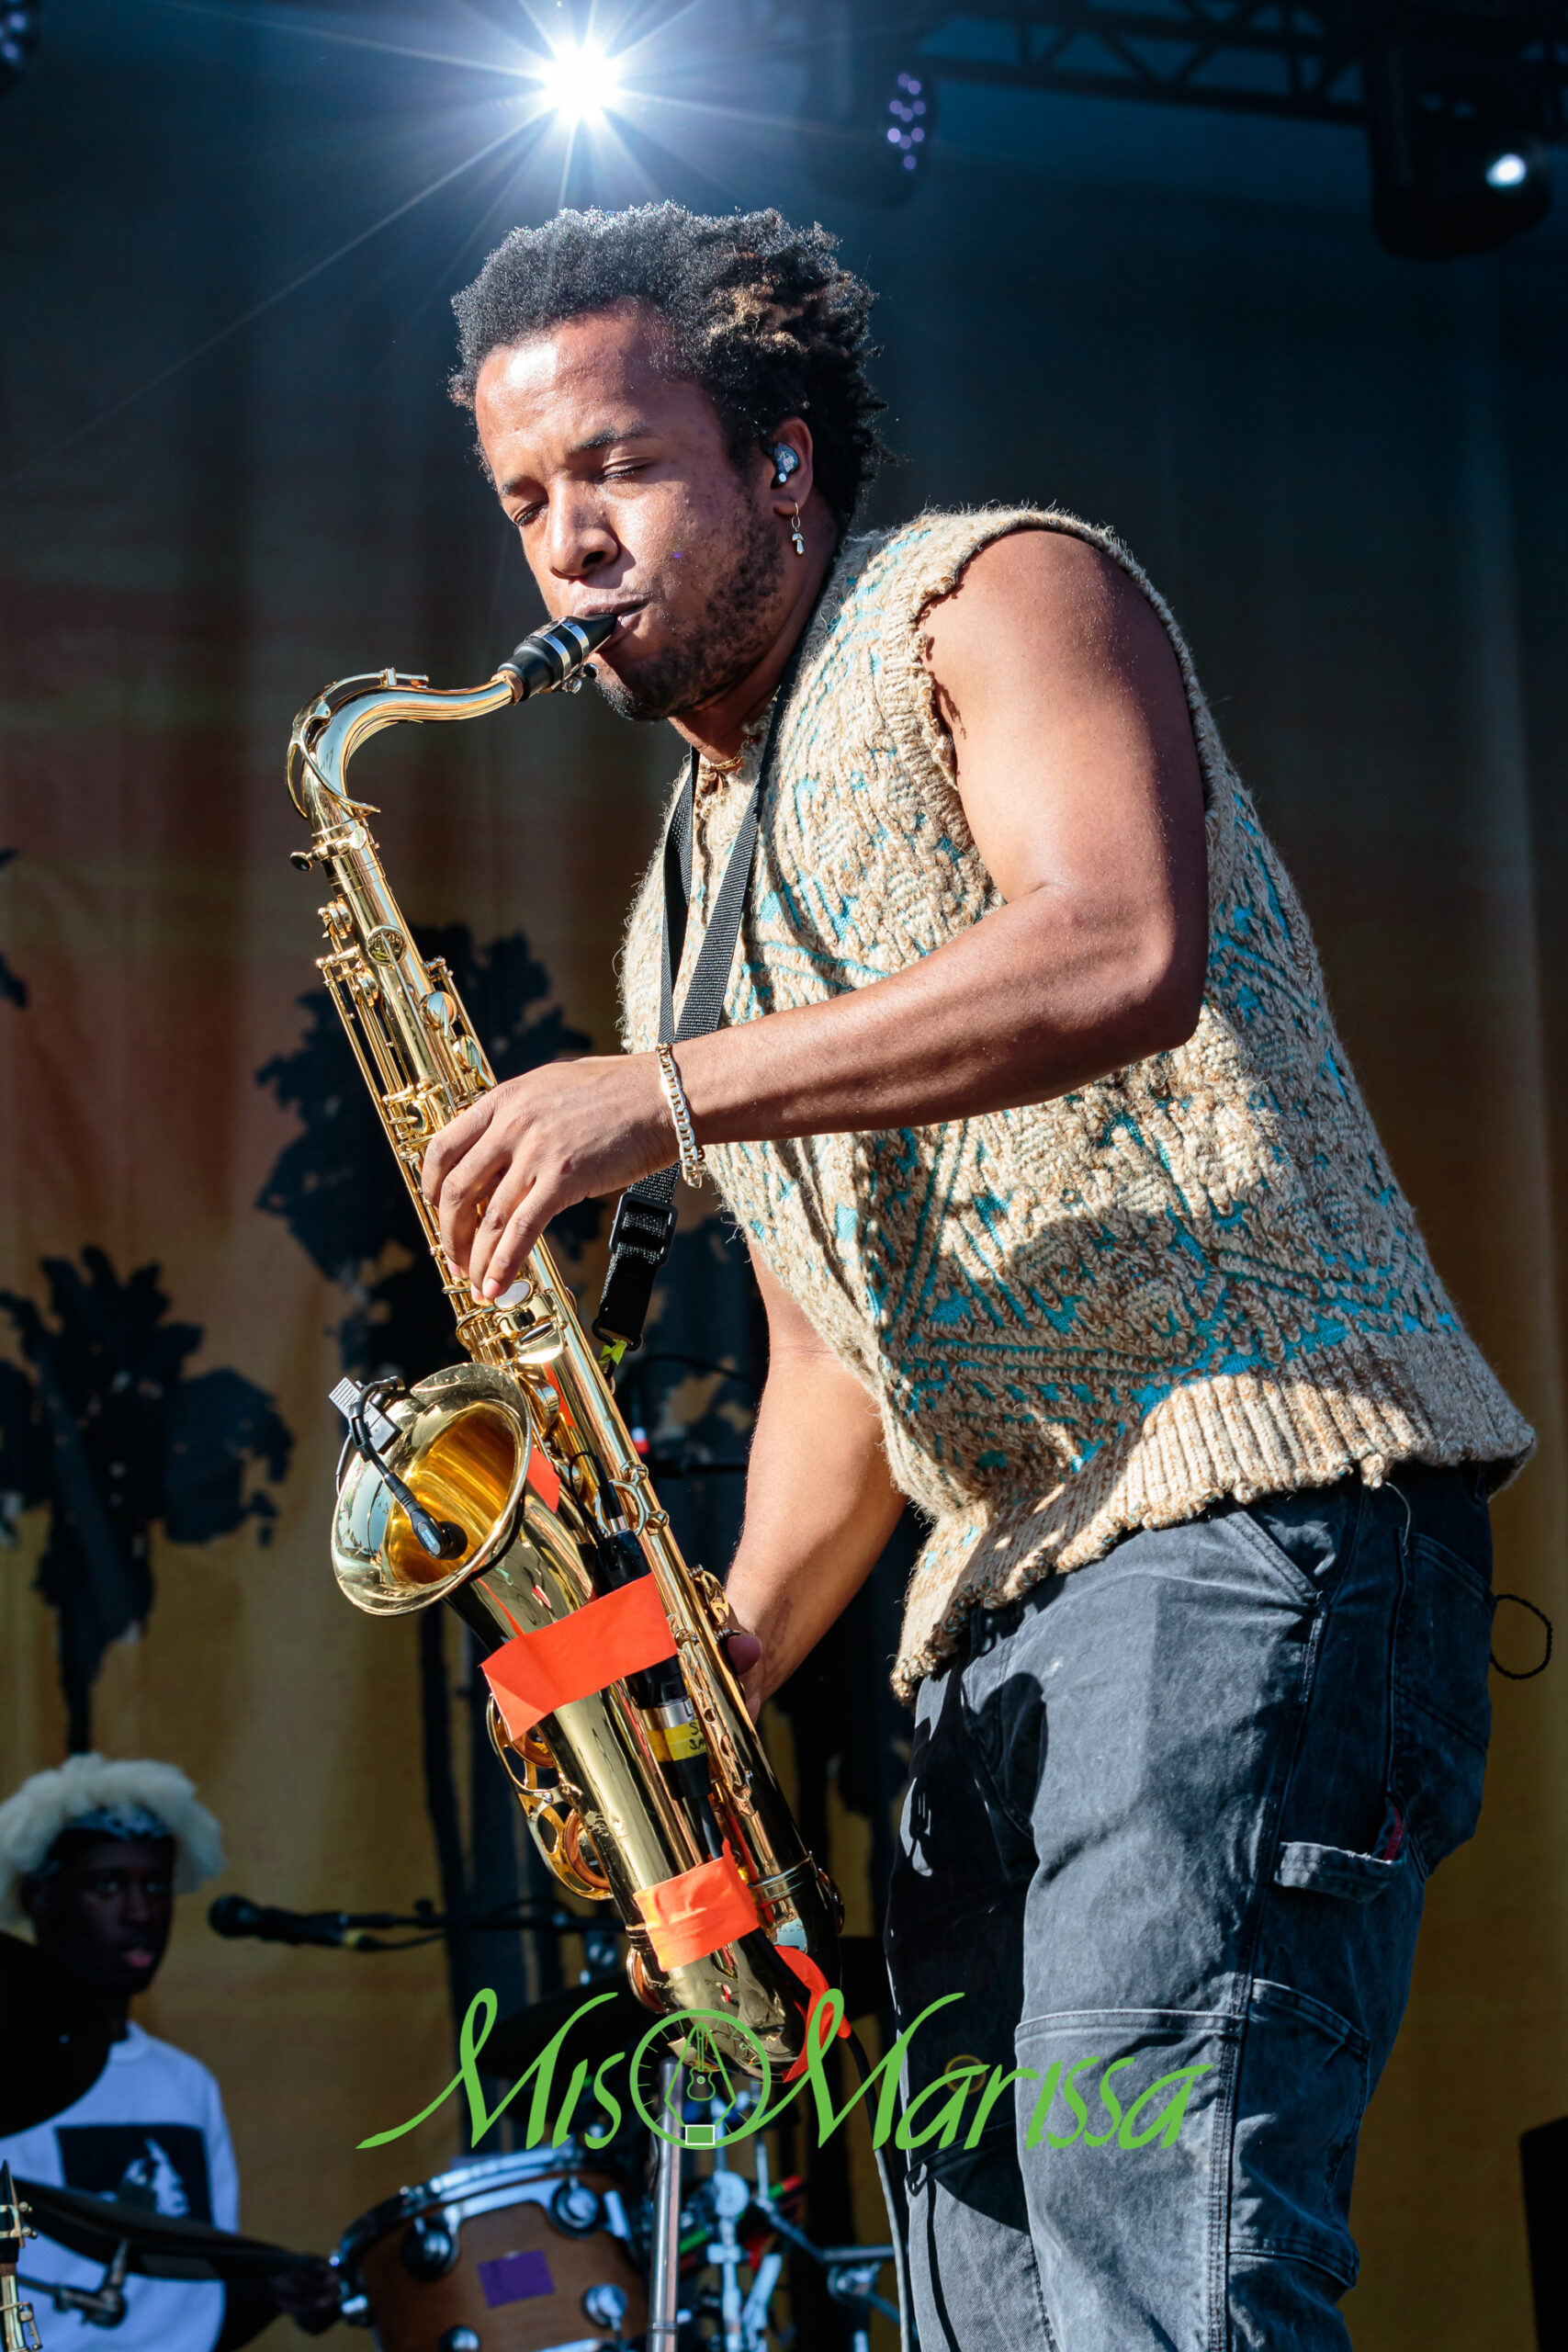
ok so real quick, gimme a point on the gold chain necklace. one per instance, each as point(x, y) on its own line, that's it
point(712, 773)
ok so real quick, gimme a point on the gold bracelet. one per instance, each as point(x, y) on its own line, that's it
point(693, 1166)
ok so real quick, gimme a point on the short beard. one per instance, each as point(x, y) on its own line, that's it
point(722, 647)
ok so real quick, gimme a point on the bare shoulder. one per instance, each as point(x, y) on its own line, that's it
point(1037, 586)
point(1046, 623)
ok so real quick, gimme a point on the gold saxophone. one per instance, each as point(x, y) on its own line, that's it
point(628, 1788)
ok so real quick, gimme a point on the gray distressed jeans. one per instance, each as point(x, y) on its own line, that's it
point(1169, 1825)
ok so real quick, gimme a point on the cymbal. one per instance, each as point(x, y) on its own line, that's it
point(161, 2246)
point(513, 2042)
point(58, 2036)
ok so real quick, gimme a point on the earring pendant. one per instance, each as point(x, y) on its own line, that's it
point(795, 533)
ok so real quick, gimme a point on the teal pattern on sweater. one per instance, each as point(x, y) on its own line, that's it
point(1195, 1278)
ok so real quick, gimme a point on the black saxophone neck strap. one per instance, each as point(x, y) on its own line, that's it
point(644, 1229)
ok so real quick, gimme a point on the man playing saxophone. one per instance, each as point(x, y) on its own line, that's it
point(1073, 1230)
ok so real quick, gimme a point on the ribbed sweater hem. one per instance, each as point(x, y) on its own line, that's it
point(1424, 1397)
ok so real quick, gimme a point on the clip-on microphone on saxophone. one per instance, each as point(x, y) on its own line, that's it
point(440, 1537)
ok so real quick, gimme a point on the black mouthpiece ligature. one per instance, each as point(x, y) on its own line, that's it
point(555, 656)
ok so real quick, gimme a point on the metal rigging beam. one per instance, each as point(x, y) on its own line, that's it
point(1249, 56)
point(1299, 57)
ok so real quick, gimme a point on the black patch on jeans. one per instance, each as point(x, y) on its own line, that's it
point(160, 2165)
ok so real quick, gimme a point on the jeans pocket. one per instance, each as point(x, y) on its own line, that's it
point(1122, 2143)
point(1302, 2090)
point(1334, 1870)
point(1442, 1709)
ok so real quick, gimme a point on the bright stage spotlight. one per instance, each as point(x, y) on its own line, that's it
point(578, 84)
point(18, 39)
point(1459, 132)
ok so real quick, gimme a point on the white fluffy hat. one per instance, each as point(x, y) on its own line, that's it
point(124, 1796)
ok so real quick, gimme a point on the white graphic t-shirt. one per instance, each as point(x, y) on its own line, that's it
point(152, 2129)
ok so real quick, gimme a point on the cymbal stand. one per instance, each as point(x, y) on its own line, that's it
point(18, 2333)
point(100, 2306)
point(664, 2269)
point(731, 2194)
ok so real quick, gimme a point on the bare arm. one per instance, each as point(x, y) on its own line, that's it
point(820, 1503)
point(1078, 776)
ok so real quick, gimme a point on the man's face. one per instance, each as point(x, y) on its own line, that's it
point(107, 1913)
point(627, 500)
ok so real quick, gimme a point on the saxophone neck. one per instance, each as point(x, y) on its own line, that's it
point(330, 730)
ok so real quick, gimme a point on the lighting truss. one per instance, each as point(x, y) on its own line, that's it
point(1251, 56)
point(1298, 57)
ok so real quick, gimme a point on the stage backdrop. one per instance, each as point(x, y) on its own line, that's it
point(229, 238)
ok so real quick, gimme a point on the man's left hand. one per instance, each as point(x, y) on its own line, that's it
point(568, 1132)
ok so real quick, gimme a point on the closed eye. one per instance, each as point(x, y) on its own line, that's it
point(621, 471)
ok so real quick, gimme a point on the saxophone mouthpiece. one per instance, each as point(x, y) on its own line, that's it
point(554, 657)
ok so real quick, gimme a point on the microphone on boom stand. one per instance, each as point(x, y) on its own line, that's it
point(236, 1915)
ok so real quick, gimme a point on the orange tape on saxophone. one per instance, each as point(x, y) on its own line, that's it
point(606, 1639)
point(693, 1915)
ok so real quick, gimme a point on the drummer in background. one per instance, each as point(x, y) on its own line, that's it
point(93, 1855)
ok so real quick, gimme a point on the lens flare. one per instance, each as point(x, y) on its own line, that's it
point(580, 84)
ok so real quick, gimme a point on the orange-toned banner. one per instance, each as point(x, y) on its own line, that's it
point(617, 1635)
point(691, 1916)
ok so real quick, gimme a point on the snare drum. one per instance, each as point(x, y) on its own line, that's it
point(519, 2253)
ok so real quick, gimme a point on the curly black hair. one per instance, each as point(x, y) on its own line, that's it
point(756, 311)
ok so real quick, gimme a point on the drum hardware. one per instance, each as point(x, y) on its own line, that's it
point(530, 2285)
point(101, 2306)
point(731, 2195)
point(428, 2248)
point(851, 2269)
point(851, 2284)
point(664, 2270)
point(714, 2213)
point(607, 2307)
point(469, 2339)
point(515, 2253)
point(576, 2210)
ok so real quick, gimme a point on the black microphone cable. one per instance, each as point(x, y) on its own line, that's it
point(897, 2238)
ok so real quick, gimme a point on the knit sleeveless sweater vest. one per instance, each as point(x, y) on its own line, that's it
point(1194, 1279)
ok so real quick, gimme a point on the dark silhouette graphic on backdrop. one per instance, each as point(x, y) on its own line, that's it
point(102, 1425)
point(12, 986)
point(337, 1185)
